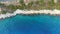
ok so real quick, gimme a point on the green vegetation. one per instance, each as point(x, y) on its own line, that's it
point(35, 5)
point(12, 7)
point(57, 5)
point(3, 12)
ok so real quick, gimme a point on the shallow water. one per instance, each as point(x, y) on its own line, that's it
point(40, 24)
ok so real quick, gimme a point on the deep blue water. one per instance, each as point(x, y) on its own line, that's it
point(40, 24)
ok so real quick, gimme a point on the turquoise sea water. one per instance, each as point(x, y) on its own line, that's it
point(40, 24)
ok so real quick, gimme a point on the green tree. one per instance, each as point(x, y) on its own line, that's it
point(3, 12)
point(22, 4)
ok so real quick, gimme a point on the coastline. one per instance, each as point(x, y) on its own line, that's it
point(51, 12)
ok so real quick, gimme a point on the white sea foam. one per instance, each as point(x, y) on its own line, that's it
point(51, 12)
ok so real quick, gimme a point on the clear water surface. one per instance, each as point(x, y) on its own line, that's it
point(40, 24)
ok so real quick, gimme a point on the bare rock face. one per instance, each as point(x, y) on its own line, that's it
point(55, 1)
point(26, 2)
point(0, 9)
point(8, 2)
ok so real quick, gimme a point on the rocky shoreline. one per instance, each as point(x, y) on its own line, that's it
point(51, 12)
